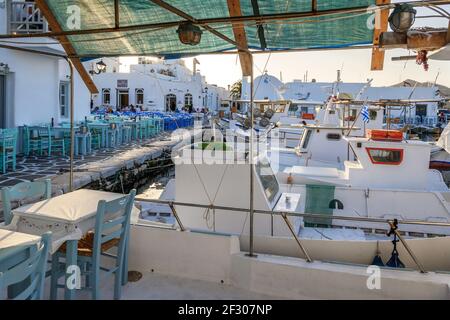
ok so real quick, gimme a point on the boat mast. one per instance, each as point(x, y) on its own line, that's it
point(251, 159)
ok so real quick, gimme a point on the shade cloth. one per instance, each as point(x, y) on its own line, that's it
point(68, 217)
point(336, 30)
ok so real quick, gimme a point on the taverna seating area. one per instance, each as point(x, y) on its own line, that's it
point(98, 131)
point(101, 224)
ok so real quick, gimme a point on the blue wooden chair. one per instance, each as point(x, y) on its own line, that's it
point(112, 227)
point(29, 274)
point(8, 149)
point(112, 135)
point(96, 138)
point(31, 143)
point(45, 139)
point(22, 191)
point(59, 144)
point(126, 133)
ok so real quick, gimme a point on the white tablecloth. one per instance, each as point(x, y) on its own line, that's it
point(68, 217)
point(9, 239)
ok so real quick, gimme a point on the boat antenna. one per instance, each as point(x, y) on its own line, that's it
point(412, 91)
point(363, 89)
point(437, 76)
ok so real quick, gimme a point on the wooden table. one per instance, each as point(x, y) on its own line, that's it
point(69, 217)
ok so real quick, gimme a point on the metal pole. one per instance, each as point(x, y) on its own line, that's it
point(291, 228)
point(251, 155)
point(72, 131)
point(294, 214)
point(413, 256)
point(172, 207)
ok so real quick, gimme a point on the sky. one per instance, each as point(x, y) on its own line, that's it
point(224, 70)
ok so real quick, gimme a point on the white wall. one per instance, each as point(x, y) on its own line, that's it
point(218, 257)
point(82, 96)
point(156, 86)
point(33, 93)
point(186, 254)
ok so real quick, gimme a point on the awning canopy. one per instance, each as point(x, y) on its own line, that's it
point(147, 28)
point(100, 28)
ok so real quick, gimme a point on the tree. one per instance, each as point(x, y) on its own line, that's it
point(236, 90)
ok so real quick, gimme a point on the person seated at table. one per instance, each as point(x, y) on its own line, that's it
point(132, 108)
point(126, 108)
point(138, 109)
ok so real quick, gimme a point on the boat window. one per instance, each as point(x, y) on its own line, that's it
point(268, 179)
point(334, 136)
point(336, 204)
point(280, 108)
point(293, 110)
point(385, 156)
point(373, 114)
point(306, 138)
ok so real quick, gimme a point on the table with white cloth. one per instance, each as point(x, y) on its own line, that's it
point(15, 247)
point(68, 217)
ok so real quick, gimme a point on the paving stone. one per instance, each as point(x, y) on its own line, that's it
point(101, 163)
point(10, 182)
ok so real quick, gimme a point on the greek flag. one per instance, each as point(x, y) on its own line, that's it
point(365, 114)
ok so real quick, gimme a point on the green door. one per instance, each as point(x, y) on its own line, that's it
point(318, 199)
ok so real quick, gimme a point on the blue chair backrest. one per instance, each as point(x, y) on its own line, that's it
point(8, 137)
point(22, 191)
point(32, 268)
point(44, 131)
point(112, 222)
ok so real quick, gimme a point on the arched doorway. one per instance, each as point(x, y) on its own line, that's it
point(171, 103)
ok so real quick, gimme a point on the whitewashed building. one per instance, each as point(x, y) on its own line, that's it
point(34, 88)
point(155, 85)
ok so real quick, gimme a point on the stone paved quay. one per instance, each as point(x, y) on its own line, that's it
point(101, 164)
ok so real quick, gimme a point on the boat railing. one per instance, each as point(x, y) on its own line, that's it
point(390, 222)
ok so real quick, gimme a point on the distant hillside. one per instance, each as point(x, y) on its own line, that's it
point(445, 91)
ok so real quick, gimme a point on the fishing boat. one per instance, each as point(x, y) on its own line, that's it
point(340, 215)
point(440, 155)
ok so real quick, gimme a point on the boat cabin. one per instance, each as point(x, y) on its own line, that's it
point(388, 162)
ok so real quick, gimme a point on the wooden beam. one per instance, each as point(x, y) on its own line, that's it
point(240, 36)
point(381, 25)
point(430, 40)
point(116, 14)
point(261, 36)
point(190, 18)
point(313, 5)
point(209, 21)
point(68, 48)
point(448, 33)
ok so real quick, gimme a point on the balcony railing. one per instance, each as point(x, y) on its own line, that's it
point(25, 17)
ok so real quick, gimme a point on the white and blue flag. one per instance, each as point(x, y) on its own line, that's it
point(365, 113)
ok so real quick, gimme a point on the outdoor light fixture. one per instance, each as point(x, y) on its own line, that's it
point(402, 18)
point(189, 34)
point(101, 67)
point(4, 68)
